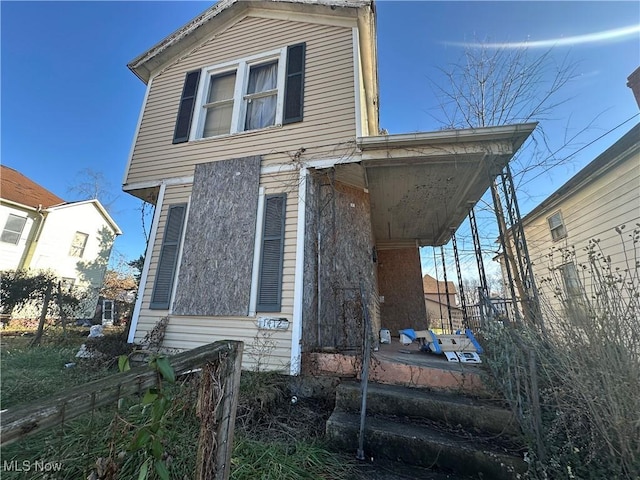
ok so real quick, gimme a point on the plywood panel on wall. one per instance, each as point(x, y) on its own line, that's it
point(217, 259)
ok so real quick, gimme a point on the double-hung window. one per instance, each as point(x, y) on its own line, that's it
point(252, 93)
point(78, 244)
point(218, 108)
point(12, 230)
point(556, 226)
point(572, 286)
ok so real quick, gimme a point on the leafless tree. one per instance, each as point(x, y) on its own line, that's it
point(89, 184)
point(493, 86)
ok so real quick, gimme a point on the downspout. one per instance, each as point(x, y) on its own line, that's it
point(26, 261)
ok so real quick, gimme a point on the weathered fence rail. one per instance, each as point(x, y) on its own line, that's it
point(224, 357)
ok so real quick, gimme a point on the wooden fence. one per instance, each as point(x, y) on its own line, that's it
point(218, 400)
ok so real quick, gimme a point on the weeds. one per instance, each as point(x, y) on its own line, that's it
point(275, 438)
point(575, 391)
point(287, 461)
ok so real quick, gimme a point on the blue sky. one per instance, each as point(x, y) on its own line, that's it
point(69, 102)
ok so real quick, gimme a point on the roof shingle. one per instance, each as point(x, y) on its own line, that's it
point(17, 188)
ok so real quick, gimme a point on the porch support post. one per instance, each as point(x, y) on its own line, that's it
point(463, 301)
point(446, 289)
point(296, 330)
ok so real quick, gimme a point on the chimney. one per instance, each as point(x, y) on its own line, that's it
point(633, 82)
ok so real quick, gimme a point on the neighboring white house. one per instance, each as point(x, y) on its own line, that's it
point(600, 203)
point(40, 231)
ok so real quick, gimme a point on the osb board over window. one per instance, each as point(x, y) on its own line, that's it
point(338, 257)
point(400, 283)
point(217, 260)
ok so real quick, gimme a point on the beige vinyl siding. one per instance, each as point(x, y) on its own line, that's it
point(148, 318)
point(268, 349)
point(593, 212)
point(329, 103)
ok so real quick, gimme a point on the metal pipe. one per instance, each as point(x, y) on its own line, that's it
point(364, 380)
point(446, 289)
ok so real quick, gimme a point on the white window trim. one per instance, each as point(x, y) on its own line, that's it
point(5, 229)
point(176, 273)
point(241, 67)
point(562, 225)
point(84, 245)
point(104, 309)
point(257, 248)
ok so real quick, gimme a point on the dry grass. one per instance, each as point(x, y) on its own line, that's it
point(575, 389)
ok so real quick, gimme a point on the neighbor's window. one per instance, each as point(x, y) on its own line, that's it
point(13, 229)
point(107, 310)
point(78, 244)
point(67, 283)
point(556, 225)
point(570, 279)
point(249, 94)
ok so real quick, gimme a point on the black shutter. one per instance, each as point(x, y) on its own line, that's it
point(294, 85)
point(270, 281)
point(168, 258)
point(185, 111)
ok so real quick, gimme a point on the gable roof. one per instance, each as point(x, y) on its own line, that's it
point(17, 188)
point(612, 156)
point(430, 286)
point(194, 32)
point(96, 203)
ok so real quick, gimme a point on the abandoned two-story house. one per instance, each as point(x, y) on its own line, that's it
point(276, 197)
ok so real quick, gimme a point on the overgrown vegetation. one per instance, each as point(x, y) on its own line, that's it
point(575, 390)
point(20, 287)
point(276, 438)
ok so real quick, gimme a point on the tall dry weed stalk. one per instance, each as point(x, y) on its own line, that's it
point(576, 391)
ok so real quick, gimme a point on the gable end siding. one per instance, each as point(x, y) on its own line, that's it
point(329, 102)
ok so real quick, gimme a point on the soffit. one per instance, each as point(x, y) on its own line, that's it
point(422, 186)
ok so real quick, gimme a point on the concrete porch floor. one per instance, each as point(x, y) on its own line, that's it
point(406, 365)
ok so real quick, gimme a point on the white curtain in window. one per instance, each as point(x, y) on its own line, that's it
point(261, 110)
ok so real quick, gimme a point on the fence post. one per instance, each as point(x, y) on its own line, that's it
point(217, 405)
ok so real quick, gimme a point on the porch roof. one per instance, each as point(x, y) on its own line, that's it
point(422, 185)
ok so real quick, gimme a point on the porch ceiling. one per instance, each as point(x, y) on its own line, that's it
point(422, 185)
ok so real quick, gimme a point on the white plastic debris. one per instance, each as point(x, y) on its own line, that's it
point(95, 331)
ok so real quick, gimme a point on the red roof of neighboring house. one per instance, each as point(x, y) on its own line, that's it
point(17, 188)
point(431, 285)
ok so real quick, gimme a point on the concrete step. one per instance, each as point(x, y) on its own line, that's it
point(420, 445)
point(454, 412)
point(418, 370)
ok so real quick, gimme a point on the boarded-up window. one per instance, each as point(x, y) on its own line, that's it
point(185, 110)
point(168, 258)
point(294, 85)
point(270, 283)
point(217, 258)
